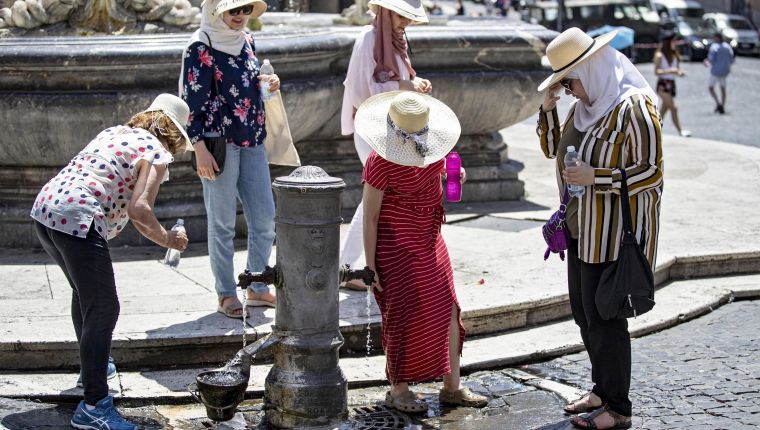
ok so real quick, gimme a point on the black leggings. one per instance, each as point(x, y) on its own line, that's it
point(608, 343)
point(86, 263)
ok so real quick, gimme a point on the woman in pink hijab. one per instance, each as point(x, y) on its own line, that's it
point(379, 63)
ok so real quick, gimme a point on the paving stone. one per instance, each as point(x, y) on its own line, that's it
point(708, 343)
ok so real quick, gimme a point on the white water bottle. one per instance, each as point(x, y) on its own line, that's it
point(571, 159)
point(266, 70)
point(172, 255)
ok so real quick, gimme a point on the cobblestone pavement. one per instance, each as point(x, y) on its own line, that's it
point(704, 374)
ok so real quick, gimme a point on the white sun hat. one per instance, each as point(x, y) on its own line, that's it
point(412, 9)
point(569, 49)
point(407, 128)
point(176, 109)
point(259, 7)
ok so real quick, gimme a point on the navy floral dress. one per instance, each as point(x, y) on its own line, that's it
point(240, 103)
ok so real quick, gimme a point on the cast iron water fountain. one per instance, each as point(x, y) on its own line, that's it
point(306, 387)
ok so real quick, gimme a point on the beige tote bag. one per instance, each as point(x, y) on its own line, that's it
point(279, 143)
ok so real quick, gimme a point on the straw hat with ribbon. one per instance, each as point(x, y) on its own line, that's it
point(259, 7)
point(407, 128)
point(174, 108)
point(569, 49)
point(412, 9)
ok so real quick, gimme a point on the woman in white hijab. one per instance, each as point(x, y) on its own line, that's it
point(614, 124)
point(220, 81)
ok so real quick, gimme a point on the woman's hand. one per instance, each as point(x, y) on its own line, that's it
point(176, 240)
point(376, 283)
point(274, 81)
point(422, 86)
point(582, 174)
point(550, 98)
point(462, 175)
point(418, 85)
point(205, 162)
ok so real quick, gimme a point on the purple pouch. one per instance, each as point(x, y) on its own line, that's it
point(555, 231)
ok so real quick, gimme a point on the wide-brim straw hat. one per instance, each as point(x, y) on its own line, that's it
point(176, 109)
point(425, 119)
point(569, 49)
point(259, 7)
point(412, 9)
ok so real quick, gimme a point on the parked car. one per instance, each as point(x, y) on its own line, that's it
point(592, 14)
point(736, 30)
point(684, 18)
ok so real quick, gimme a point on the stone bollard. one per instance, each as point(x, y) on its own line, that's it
point(306, 387)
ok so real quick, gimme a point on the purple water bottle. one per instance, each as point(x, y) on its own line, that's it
point(453, 177)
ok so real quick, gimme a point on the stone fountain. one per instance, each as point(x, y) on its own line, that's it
point(59, 92)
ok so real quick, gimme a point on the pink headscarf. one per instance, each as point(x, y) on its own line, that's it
point(387, 44)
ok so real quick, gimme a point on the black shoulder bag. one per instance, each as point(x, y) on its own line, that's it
point(215, 141)
point(626, 288)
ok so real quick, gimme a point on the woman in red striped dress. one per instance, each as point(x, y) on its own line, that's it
point(410, 134)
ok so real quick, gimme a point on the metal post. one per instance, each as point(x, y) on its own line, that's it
point(306, 387)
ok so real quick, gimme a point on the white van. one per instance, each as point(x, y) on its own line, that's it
point(676, 10)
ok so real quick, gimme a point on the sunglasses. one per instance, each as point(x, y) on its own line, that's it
point(566, 84)
point(245, 10)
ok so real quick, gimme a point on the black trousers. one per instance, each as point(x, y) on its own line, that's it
point(608, 343)
point(87, 265)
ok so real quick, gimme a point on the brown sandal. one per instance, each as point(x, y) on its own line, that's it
point(462, 397)
point(620, 422)
point(406, 402)
point(581, 405)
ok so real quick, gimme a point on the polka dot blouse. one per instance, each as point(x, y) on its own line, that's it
point(94, 189)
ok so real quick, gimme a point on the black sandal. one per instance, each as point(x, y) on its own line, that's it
point(621, 422)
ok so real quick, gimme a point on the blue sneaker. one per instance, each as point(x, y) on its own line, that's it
point(111, 373)
point(103, 417)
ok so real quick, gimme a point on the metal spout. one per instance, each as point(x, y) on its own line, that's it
point(269, 276)
point(366, 275)
point(242, 361)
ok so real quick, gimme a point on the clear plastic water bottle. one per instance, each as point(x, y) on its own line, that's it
point(571, 159)
point(453, 177)
point(265, 70)
point(172, 255)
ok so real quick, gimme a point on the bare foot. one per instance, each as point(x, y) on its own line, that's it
point(261, 297)
point(589, 402)
point(231, 307)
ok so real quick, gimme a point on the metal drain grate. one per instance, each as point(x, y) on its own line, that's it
point(377, 418)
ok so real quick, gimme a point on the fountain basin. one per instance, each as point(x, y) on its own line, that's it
point(59, 92)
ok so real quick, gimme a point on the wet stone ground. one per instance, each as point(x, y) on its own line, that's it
point(704, 374)
point(513, 405)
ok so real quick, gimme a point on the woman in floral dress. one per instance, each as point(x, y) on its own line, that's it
point(221, 49)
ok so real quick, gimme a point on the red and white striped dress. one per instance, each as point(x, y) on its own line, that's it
point(414, 270)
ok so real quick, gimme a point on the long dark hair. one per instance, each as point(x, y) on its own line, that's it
point(668, 51)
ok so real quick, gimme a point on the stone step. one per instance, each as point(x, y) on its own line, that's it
point(153, 332)
point(677, 302)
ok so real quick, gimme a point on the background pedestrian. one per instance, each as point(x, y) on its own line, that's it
point(719, 59)
point(667, 67)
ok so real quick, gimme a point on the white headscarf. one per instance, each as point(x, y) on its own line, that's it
point(608, 78)
point(223, 38)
